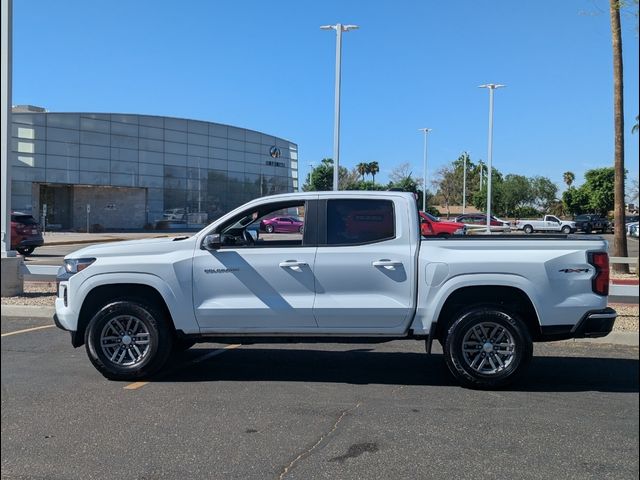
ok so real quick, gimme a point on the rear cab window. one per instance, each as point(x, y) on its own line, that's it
point(359, 222)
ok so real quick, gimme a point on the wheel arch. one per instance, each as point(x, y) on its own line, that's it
point(102, 294)
point(512, 298)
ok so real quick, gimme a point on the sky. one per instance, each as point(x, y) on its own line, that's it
point(267, 66)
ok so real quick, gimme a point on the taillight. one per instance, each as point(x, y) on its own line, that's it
point(600, 282)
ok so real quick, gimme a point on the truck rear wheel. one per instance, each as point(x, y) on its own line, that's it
point(528, 229)
point(128, 340)
point(487, 347)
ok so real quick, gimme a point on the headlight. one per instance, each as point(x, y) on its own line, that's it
point(75, 265)
point(460, 231)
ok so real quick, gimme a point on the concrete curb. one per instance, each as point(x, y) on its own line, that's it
point(46, 313)
point(31, 311)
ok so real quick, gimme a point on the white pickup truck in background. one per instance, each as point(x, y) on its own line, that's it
point(549, 223)
point(358, 271)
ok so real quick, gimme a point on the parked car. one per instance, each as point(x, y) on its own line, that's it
point(432, 226)
point(591, 222)
point(550, 223)
point(25, 233)
point(632, 229)
point(480, 219)
point(362, 275)
point(282, 225)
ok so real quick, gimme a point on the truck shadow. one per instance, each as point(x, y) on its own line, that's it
point(361, 367)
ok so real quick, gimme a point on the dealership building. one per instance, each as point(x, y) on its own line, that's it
point(124, 171)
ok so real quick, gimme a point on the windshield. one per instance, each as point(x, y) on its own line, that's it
point(430, 217)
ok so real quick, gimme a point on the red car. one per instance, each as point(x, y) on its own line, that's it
point(25, 233)
point(431, 226)
point(282, 225)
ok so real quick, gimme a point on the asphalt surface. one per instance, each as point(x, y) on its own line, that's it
point(314, 411)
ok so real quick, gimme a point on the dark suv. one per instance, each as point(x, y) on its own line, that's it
point(25, 233)
point(590, 223)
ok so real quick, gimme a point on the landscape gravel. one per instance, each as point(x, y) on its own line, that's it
point(44, 294)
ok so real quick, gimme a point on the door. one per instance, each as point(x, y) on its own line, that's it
point(265, 285)
point(364, 267)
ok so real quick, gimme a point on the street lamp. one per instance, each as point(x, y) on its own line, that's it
point(465, 155)
point(491, 87)
point(339, 28)
point(424, 169)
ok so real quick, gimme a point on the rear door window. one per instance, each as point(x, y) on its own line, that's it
point(358, 222)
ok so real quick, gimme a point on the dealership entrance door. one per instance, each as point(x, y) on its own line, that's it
point(59, 205)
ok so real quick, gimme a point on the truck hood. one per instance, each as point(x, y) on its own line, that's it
point(132, 248)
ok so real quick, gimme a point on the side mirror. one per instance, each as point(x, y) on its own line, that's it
point(212, 242)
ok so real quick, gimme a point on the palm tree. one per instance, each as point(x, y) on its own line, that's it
point(619, 238)
point(362, 169)
point(373, 169)
point(568, 178)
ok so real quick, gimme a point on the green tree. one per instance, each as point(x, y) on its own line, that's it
point(568, 178)
point(544, 191)
point(595, 195)
point(516, 192)
point(321, 177)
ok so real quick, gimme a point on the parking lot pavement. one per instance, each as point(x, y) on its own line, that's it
point(314, 411)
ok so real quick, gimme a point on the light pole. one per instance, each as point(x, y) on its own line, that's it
point(464, 181)
point(491, 87)
point(339, 28)
point(424, 169)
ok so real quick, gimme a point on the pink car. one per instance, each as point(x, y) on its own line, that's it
point(282, 225)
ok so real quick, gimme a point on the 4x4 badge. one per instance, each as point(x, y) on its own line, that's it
point(574, 270)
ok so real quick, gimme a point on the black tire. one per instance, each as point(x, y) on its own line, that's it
point(588, 229)
point(25, 251)
point(301, 229)
point(504, 366)
point(269, 228)
point(566, 229)
point(444, 235)
point(151, 324)
point(528, 229)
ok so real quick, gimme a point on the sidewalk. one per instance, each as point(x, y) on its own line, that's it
point(71, 238)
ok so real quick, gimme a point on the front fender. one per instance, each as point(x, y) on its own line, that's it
point(179, 302)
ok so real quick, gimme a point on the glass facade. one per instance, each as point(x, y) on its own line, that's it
point(188, 171)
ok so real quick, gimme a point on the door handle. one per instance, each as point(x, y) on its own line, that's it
point(293, 264)
point(388, 264)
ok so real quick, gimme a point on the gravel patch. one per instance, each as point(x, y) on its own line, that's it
point(44, 294)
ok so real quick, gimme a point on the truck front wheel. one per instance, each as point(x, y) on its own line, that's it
point(128, 339)
point(487, 347)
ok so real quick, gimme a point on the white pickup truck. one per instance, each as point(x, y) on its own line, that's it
point(549, 223)
point(358, 272)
